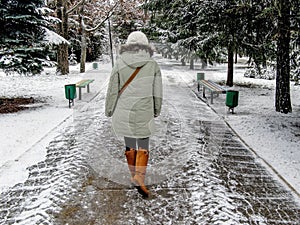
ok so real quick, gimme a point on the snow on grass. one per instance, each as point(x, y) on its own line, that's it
point(26, 134)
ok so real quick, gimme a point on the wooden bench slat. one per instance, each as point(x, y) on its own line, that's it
point(221, 89)
point(80, 82)
point(213, 88)
point(83, 84)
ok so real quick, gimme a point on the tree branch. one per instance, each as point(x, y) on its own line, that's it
point(109, 14)
point(75, 7)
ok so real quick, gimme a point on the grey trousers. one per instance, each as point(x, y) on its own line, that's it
point(136, 143)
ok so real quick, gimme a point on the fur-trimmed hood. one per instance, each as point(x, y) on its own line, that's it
point(134, 55)
point(136, 48)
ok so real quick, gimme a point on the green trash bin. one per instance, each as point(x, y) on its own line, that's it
point(95, 65)
point(232, 99)
point(200, 76)
point(70, 92)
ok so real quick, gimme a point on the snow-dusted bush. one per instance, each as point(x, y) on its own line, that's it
point(268, 74)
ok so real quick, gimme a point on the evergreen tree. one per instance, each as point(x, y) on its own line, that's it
point(295, 41)
point(259, 31)
point(178, 35)
point(22, 48)
point(208, 29)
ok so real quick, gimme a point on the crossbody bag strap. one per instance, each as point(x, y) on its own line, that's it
point(129, 80)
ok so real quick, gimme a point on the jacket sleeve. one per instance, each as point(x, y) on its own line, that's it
point(112, 93)
point(157, 91)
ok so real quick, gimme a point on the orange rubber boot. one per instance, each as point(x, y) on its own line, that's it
point(131, 157)
point(142, 157)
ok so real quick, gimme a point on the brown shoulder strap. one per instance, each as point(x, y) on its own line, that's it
point(129, 80)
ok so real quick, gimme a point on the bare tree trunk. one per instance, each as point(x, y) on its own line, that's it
point(83, 52)
point(62, 28)
point(283, 98)
point(83, 44)
point(192, 62)
point(229, 81)
point(183, 63)
point(62, 59)
point(235, 58)
point(146, 16)
point(111, 44)
point(204, 63)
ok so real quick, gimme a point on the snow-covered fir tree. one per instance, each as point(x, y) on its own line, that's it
point(22, 46)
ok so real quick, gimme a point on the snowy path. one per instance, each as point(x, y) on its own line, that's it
point(199, 173)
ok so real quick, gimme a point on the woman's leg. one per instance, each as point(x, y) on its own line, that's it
point(143, 143)
point(130, 143)
point(142, 157)
point(130, 154)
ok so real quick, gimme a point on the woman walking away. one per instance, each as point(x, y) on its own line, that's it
point(134, 98)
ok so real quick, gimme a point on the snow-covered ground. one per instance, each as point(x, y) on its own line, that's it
point(26, 134)
point(275, 137)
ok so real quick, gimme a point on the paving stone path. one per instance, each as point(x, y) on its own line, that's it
point(200, 172)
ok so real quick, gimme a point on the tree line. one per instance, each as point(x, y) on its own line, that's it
point(266, 31)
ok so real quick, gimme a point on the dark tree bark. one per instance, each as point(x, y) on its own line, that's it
point(62, 29)
point(83, 43)
point(283, 98)
point(204, 63)
point(229, 81)
point(83, 51)
point(235, 58)
point(192, 62)
point(183, 63)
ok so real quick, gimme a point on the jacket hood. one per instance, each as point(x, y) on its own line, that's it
point(135, 59)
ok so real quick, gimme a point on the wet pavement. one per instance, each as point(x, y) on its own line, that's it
point(199, 172)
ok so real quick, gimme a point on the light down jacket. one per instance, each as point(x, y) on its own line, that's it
point(133, 113)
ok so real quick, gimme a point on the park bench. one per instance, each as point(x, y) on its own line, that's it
point(83, 84)
point(213, 87)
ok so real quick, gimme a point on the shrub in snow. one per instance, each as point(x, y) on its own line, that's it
point(268, 74)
